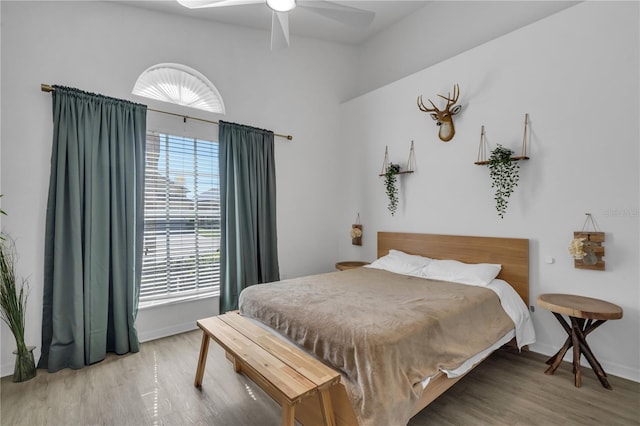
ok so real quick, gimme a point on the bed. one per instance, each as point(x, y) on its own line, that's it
point(391, 373)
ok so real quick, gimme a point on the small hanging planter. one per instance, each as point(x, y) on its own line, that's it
point(503, 167)
point(356, 232)
point(586, 247)
point(390, 171)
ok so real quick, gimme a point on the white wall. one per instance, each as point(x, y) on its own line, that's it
point(576, 74)
point(437, 32)
point(103, 47)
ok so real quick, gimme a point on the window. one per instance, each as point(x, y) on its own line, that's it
point(180, 85)
point(181, 255)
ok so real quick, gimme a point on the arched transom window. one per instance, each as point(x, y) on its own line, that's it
point(181, 85)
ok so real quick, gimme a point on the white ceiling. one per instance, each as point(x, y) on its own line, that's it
point(302, 22)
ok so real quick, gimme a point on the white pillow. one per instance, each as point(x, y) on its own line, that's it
point(401, 263)
point(466, 273)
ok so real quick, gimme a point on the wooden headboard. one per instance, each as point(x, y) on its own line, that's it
point(511, 253)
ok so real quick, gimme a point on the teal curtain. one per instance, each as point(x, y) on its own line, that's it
point(249, 244)
point(94, 228)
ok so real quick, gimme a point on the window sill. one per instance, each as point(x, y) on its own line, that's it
point(165, 302)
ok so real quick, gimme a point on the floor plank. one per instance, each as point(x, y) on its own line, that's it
point(155, 387)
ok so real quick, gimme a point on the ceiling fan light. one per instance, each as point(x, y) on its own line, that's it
point(282, 5)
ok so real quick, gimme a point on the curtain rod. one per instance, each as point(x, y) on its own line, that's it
point(47, 88)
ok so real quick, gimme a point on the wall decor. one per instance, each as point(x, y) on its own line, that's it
point(356, 232)
point(504, 177)
point(482, 148)
point(586, 246)
point(503, 167)
point(444, 118)
point(390, 172)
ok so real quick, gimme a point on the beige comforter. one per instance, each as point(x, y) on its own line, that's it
point(384, 332)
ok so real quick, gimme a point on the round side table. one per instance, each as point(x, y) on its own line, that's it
point(585, 315)
point(349, 264)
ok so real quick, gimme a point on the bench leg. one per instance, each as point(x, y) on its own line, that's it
point(234, 361)
point(288, 415)
point(202, 361)
point(326, 407)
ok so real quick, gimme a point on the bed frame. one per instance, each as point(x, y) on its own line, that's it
point(511, 253)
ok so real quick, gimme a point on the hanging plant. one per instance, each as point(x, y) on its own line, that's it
point(504, 176)
point(390, 180)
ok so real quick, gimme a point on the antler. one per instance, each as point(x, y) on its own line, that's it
point(451, 102)
point(424, 108)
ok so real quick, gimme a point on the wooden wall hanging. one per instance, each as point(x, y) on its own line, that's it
point(356, 232)
point(592, 246)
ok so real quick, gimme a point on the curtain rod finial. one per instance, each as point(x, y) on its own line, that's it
point(46, 88)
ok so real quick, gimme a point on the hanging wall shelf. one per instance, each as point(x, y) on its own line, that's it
point(482, 149)
point(390, 172)
point(411, 162)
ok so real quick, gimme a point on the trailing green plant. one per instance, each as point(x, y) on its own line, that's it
point(390, 180)
point(504, 174)
point(13, 306)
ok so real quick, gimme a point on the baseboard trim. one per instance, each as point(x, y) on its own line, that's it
point(610, 368)
point(167, 331)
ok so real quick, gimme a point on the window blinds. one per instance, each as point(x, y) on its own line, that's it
point(181, 218)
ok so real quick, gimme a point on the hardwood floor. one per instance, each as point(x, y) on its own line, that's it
point(155, 387)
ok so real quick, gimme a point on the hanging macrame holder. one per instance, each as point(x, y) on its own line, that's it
point(593, 245)
point(411, 162)
point(482, 147)
point(356, 240)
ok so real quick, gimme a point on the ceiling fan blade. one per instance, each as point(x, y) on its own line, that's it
point(200, 4)
point(279, 30)
point(349, 16)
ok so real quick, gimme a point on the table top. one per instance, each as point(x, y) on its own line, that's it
point(580, 306)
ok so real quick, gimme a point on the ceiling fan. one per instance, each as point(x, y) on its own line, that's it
point(349, 16)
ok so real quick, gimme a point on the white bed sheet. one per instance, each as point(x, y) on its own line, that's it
point(524, 332)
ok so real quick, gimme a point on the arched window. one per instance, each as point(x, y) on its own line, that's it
point(181, 85)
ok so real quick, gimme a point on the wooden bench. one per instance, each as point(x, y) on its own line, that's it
point(286, 373)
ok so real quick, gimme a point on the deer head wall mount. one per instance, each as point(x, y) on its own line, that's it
point(444, 118)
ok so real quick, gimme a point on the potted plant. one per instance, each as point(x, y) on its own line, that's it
point(13, 305)
point(504, 176)
point(390, 180)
